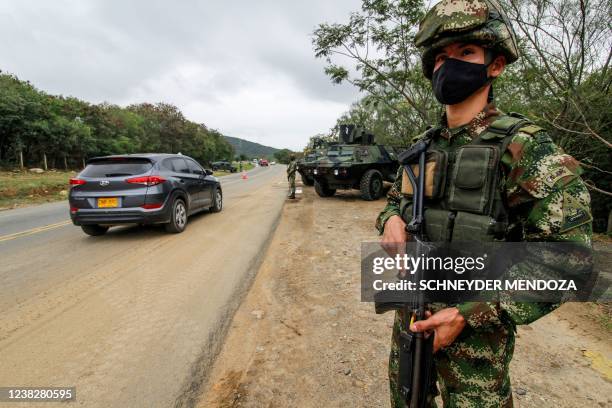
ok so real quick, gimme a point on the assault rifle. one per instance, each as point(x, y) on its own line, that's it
point(416, 371)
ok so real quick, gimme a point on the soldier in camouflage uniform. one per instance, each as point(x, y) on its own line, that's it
point(291, 169)
point(540, 188)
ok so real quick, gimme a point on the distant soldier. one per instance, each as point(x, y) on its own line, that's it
point(291, 169)
point(539, 196)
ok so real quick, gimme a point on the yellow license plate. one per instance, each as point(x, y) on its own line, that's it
point(109, 202)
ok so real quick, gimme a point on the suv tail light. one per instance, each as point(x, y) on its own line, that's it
point(76, 182)
point(146, 181)
point(152, 206)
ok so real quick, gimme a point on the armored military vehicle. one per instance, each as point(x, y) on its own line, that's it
point(355, 162)
point(306, 165)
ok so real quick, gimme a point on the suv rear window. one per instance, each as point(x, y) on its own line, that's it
point(117, 167)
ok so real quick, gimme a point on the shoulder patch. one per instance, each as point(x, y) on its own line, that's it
point(531, 129)
point(574, 213)
point(556, 175)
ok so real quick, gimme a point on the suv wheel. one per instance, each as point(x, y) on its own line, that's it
point(217, 201)
point(178, 217)
point(94, 230)
point(371, 185)
point(323, 190)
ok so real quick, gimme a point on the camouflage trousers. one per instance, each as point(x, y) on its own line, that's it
point(473, 372)
point(291, 180)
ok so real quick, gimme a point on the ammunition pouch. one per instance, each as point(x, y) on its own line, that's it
point(435, 171)
point(445, 226)
point(473, 179)
point(475, 227)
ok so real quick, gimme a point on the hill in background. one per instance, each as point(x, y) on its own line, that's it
point(250, 149)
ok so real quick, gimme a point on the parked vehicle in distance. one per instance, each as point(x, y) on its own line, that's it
point(272, 163)
point(263, 163)
point(147, 188)
point(224, 166)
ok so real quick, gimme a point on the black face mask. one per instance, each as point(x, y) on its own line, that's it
point(455, 80)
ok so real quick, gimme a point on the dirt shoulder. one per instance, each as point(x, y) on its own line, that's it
point(302, 337)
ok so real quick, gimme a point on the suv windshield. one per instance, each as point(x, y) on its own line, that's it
point(347, 151)
point(118, 167)
point(341, 151)
point(333, 152)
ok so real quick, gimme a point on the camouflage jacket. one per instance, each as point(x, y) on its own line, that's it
point(292, 168)
point(543, 189)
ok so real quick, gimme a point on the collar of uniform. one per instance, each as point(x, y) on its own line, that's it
point(473, 128)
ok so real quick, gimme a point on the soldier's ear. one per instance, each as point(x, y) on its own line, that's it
point(497, 66)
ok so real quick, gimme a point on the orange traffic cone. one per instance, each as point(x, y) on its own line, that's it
point(244, 175)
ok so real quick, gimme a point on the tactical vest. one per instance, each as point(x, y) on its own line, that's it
point(465, 193)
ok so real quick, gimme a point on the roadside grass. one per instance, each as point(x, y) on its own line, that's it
point(25, 188)
point(246, 166)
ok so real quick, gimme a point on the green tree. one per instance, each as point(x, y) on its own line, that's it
point(282, 156)
point(67, 131)
point(375, 52)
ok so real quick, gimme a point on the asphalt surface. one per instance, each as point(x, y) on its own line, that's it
point(135, 317)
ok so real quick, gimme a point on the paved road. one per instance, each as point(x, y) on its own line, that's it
point(132, 318)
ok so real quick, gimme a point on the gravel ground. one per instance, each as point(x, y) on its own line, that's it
point(302, 337)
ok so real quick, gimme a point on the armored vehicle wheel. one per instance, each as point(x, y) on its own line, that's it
point(308, 181)
point(371, 185)
point(323, 190)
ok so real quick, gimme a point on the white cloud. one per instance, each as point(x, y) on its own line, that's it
point(245, 68)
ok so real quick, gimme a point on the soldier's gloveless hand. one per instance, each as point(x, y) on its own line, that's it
point(447, 324)
point(394, 235)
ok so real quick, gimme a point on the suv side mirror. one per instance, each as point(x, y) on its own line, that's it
point(208, 172)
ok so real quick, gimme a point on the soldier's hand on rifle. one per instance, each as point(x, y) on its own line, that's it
point(447, 324)
point(394, 236)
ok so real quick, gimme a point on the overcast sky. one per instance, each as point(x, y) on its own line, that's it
point(243, 67)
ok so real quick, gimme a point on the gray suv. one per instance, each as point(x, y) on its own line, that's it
point(141, 189)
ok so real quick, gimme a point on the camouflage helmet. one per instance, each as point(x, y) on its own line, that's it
point(469, 21)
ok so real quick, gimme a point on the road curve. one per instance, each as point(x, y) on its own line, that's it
point(132, 318)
